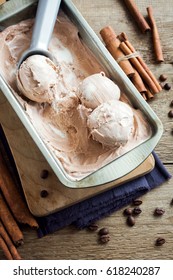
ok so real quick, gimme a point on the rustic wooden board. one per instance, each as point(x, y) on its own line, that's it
point(30, 163)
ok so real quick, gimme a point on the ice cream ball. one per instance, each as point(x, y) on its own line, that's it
point(37, 79)
point(111, 123)
point(96, 89)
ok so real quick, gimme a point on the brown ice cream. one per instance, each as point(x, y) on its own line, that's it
point(96, 89)
point(79, 114)
point(37, 79)
point(112, 124)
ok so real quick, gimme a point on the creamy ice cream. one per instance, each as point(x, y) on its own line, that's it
point(112, 123)
point(80, 116)
point(37, 79)
point(96, 89)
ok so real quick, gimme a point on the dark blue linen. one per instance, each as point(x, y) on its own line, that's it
point(101, 205)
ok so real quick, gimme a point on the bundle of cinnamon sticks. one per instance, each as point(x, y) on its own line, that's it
point(128, 58)
point(13, 211)
point(131, 62)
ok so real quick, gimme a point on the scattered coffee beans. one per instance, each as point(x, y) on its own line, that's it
point(170, 114)
point(137, 211)
point(44, 174)
point(163, 78)
point(44, 193)
point(159, 212)
point(103, 231)
point(160, 241)
point(127, 211)
point(167, 86)
point(130, 221)
point(93, 227)
point(137, 202)
point(104, 238)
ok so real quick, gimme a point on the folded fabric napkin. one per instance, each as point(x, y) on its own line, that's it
point(84, 213)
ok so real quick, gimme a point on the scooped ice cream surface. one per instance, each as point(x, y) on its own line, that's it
point(111, 123)
point(96, 89)
point(37, 78)
point(74, 102)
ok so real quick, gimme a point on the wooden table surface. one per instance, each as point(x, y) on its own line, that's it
point(135, 242)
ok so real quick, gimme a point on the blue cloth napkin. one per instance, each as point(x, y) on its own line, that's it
point(84, 213)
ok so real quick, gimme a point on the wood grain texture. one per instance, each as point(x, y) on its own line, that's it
point(136, 242)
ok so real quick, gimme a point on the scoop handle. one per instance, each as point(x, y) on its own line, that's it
point(44, 23)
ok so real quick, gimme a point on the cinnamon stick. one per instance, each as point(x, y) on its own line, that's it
point(112, 44)
point(138, 17)
point(148, 94)
point(5, 249)
point(144, 75)
point(12, 249)
point(138, 83)
point(9, 223)
point(14, 198)
point(155, 36)
point(123, 38)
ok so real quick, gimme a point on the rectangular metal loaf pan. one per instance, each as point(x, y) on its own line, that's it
point(14, 11)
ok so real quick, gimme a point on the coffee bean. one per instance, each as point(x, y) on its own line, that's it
point(44, 174)
point(171, 203)
point(103, 231)
point(171, 104)
point(127, 211)
point(137, 202)
point(44, 193)
point(170, 114)
point(93, 227)
point(130, 221)
point(160, 241)
point(163, 78)
point(19, 242)
point(167, 86)
point(159, 211)
point(104, 238)
point(137, 211)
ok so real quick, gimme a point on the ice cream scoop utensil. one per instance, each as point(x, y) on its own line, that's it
point(44, 23)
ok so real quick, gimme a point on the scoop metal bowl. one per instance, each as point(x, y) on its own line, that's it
point(43, 27)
